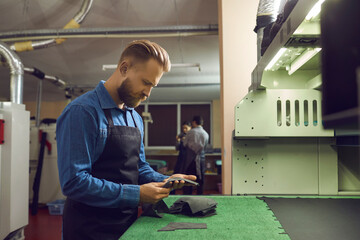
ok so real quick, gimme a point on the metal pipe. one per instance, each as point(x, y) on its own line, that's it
point(86, 87)
point(16, 73)
point(73, 23)
point(39, 74)
point(133, 32)
point(84, 10)
point(38, 102)
point(52, 79)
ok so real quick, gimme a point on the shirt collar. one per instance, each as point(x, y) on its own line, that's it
point(105, 99)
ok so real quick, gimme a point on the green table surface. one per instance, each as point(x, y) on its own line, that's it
point(238, 217)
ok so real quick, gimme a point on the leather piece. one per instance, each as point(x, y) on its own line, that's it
point(194, 206)
point(167, 184)
point(183, 225)
point(155, 210)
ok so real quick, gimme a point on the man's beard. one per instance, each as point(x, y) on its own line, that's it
point(125, 94)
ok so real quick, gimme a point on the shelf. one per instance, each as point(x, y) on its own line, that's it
point(297, 39)
point(211, 174)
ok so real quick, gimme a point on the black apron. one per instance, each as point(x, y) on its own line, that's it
point(179, 166)
point(194, 165)
point(118, 163)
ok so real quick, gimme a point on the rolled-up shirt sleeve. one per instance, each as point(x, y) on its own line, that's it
point(77, 135)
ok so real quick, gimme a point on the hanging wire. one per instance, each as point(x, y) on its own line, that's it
point(179, 37)
point(126, 20)
point(25, 11)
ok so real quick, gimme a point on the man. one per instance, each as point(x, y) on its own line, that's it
point(195, 142)
point(101, 157)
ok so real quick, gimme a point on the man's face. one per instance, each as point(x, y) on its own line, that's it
point(140, 79)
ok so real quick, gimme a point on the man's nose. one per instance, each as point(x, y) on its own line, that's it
point(147, 91)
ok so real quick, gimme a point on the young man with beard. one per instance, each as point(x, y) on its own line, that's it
point(101, 158)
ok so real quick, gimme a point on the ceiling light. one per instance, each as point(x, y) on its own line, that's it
point(274, 60)
point(302, 59)
point(109, 67)
point(186, 65)
point(315, 10)
point(173, 65)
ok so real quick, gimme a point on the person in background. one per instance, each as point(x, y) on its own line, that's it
point(179, 145)
point(101, 157)
point(195, 142)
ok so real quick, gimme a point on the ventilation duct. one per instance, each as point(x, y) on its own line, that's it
point(16, 73)
point(73, 23)
point(123, 32)
point(52, 79)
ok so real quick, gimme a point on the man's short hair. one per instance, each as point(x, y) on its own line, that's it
point(142, 50)
point(199, 120)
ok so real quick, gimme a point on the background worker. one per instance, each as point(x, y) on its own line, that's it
point(195, 142)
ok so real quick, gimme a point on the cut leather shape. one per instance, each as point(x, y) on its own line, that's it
point(183, 225)
point(194, 206)
point(168, 183)
point(155, 210)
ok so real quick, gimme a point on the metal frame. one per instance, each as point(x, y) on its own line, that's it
point(14, 168)
point(259, 115)
point(284, 166)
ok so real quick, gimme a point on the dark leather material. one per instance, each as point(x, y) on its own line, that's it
point(183, 225)
point(194, 206)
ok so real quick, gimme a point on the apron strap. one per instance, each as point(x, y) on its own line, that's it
point(133, 118)
point(109, 117)
point(110, 120)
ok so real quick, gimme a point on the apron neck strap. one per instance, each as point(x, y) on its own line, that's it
point(110, 120)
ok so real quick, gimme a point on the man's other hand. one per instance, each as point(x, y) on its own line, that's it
point(153, 192)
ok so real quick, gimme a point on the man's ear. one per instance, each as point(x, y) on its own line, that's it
point(124, 68)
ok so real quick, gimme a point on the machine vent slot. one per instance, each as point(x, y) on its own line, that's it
point(297, 116)
point(293, 114)
point(306, 113)
point(278, 110)
point(315, 112)
point(288, 116)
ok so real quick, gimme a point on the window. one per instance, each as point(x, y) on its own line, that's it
point(163, 130)
point(167, 119)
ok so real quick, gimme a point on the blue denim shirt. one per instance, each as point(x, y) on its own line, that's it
point(81, 133)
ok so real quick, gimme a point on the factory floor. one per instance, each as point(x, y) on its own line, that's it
point(44, 226)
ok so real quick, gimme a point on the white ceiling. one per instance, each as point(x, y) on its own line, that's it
point(79, 61)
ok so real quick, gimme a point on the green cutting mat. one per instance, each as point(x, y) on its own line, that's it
point(238, 217)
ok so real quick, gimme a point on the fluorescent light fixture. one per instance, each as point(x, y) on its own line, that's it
point(315, 10)
point(173, 65)
point(275, 59)
point(302, 59)
point(109, 67)
point(185, 65)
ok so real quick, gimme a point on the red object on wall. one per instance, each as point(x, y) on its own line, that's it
point(47, 143)
point(2, 123)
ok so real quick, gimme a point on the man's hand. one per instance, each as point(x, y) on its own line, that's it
point(153, 192)
point(180, 184)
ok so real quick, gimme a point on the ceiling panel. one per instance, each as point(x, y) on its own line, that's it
point(79, 61)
